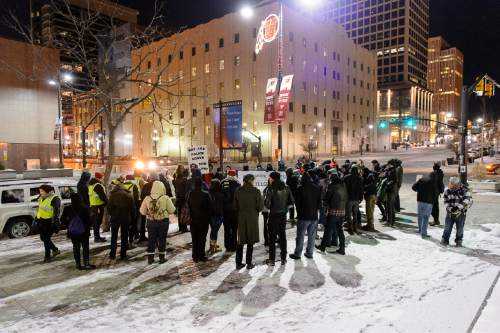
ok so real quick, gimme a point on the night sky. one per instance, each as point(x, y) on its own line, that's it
point(472, 26)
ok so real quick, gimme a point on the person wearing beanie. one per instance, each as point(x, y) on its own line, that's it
point(98, 201)
point(248, 203)
point(229, 186)
point(47, 219)
point(438, 177)
point(200, 209)
point(278, 199)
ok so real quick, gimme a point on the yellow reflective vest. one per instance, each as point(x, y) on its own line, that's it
point(45, 209)
point(94, 198)
point(129, 187)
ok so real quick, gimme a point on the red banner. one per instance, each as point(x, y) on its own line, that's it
point(269, 114)
point(284, 98)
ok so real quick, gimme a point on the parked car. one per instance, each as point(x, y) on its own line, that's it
point(19, 203)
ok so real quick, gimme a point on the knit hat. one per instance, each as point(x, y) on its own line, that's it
point(129, 177)
point(231, 173)
point(275, 175)
point(99, 175)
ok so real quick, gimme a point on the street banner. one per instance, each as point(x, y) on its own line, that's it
point(269, 115)
point(199, 155)
point(268, 31)
point(232, 124)
point(284, 97)
point(261, 178)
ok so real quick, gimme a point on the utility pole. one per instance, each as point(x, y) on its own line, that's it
point(221, 149)
point(483, 107)
point(280, 78)
point(462, 130)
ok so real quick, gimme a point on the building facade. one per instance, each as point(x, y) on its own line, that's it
point(446, 68)
point(28, 111)
point(397, 32)
point(333, 97)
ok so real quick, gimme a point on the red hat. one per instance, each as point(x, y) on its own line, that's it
point(99, 175)
point(231, 173)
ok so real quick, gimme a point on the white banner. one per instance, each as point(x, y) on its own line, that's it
point(261, 178)
point(199, 155)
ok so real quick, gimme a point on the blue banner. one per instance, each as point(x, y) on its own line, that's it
point(232, 124)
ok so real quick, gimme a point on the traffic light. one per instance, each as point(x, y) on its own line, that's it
point(383, 124)
point(489, 90)
point(410, 122)
point(480, 87)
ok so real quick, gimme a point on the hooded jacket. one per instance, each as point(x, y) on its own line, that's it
point(121, 206)
point(158, 196)
point(217, 197)
point(354, 185)
point(308, 200)
point(83, 189)
point(229, 187)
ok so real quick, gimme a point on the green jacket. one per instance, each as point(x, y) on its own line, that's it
point(248, 203)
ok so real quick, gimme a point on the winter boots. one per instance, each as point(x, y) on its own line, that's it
point(87, 266)
point(162, 258)
point(214, 247)
point(151, 258)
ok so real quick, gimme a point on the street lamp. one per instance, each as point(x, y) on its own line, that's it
point(479, 120)
point(246, 12)
point(370, 126)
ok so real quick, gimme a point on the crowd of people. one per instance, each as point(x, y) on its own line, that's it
point(140, 209)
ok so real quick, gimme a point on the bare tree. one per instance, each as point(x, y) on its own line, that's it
point(310, 147)
point(120, 62)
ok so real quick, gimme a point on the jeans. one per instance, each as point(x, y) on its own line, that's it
point(46, 233)
point(390, 209)
point(424, 210)
point(448, 227)
point(97, 214)
point(370, 209)
point(277, 227)
point(265, 215)
point(322, 216)
point(333, 225)
point(249, 254)
point(123, 239)
point(230, 230)
point(83, 243)
point(380, 205)
point(302, 226)
point(215, 224)
point(352, 210)
point(157, 236)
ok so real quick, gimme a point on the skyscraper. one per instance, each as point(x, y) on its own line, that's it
point(397, 31)
point(446, 67)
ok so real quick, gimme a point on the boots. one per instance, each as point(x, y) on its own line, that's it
point(87, 265)
point(162, 258)
point(217, 247)
point(212, 248)
point(78, 264)
point(151, 258)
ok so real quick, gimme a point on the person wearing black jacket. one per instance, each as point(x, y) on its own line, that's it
point(391, 190)
point(292, 181)
point(370, 194)
point(354, 185)
point(180, 184)
point(47, 219)
point(218, 213)
point(308, 203)
point(229, 187)
point(78, 208)
point(123, 211)
point(426, 195)
point(83, 188)
point(277, 200)
point(439, 178)
point(200, 208)
point(335, 201)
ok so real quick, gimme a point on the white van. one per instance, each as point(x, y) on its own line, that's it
point(19, 202)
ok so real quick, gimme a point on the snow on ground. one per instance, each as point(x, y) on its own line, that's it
point(388, 282)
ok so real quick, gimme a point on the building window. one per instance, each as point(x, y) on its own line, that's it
point(254, 108)
point(237, 60)
point(181, 55)
point(207, 68)
point(303, 128)
point(254, 81)
point(182, 131)
point(304, 85)
point(193, 91)
point(193, 51)
point(237, 84)
point(195, 113)
point(169, 58)
point(315, 89)
point(181, 74)
point(354, 64)
point(149, 65)
point(315, 47)
point(193, 71)
point(171, 132)
point(324, 112)
point(181, 114)
point(303, 108)
point(221, 42)
point(304, 42)
point(221, 86)
point(236, 38)
point(207, 111)
point(194, 131)
point(290, 107)
point(315, 110)
point(290, 127)
point(158, 62)
point(207, 47)
point(221, 65)
point(315, 68)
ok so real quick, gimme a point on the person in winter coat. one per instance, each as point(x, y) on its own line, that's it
point(139, 228)
point(200, 208)
point(370, 194)
point(354, 185)
point(248, 203)
point(83, 187)
point(180, 184)
point(156, 207)
point(131, 187)
point(426, 195)
point(167, 182)
point(277, 200)
point(457, 200)
point(391, 190)
point(80, 241)
point(218, 213)
point(98, 201)
point(47, 219)
point(308, 203)
point(122, 209)
point(335, 201)
point(292, 181)
point(398, 166)
point(439, 178)
point(265, 216)
point(229, 187)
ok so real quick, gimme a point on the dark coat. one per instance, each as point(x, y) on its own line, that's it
point(82, 188)
point(121, 206)
point(200, 207)
point(83, 213)
point(426, 190)
point(278, 198)
point(354, 185)
point(370, 184)
point(438, 177)
point(229, 187)
point(180, 184)
point(248, 202)
point(217, 197)
point(336, 196)
point(308, 200)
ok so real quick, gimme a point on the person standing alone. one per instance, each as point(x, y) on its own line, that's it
point(98, 201)
point(49, 206)
point(457, 200)
point(426, 196)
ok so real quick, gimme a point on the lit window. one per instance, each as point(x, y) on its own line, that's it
point(254, 81)
point(221, 65)
point(237, 84)
point(237, 60)
point(181, 74)
point(207, 68)
point(255, 105)
point(182, 131)
point(193, 71)
point(315, 89)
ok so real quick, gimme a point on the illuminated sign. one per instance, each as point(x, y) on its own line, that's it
point(268, 31)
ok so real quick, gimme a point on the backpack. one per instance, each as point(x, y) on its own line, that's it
point(76, 227)
point(154, 208)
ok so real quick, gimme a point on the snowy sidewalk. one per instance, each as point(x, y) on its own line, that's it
point(389, 282)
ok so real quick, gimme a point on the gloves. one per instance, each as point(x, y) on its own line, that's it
point(56, 226)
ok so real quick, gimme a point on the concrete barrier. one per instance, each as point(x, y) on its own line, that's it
point(32, 174)
point(8, 174)
point(47, 173)
point(485, 186)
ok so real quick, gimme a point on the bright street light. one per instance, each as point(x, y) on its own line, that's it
point(320, 125)
point(52, 82)
point(449, 115)
point(67, 77)
point(311, 3)
point(246, 12)
point(370, 126)
point(479, 120)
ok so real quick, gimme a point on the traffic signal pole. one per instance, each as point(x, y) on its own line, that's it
point(463, 159)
